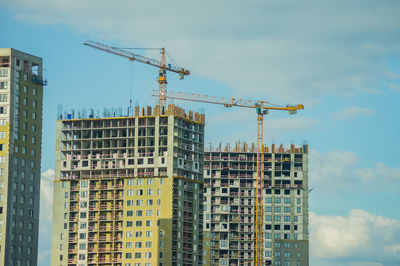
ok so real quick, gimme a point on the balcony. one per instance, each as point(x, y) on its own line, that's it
point(72, 239)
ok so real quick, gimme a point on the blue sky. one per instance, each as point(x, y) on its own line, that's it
point(341, 59)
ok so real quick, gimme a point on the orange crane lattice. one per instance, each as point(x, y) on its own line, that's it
point(262, 108)
point(162, 65)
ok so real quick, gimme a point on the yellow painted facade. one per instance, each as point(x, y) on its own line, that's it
point(128, 190)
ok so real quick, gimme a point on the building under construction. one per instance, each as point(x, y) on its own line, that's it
point(229, 204)
point(128, 190)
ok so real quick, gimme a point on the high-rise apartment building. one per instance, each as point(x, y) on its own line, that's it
point(21, 95)
point(128, 190)
point(229, 203)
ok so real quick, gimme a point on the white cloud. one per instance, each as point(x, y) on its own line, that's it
point(353, 112)
point(394, 87)
point(380, 171)
point(361, 238)
point(343, 168)
point(46, 194)
point(285, 50)
point(45, 218)
point(334, 165)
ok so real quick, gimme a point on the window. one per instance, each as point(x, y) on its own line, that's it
point(149, 223)
point(150, 192)
point(149, 202)
point(129, 224)
point(148, 255)
point(33, 128)
point(298, 200)
point(3, 85)
point(286, 209)
point(149, 212)
point(138, 234)
point(287, 200)
point(129, 244)
point(149, 244)
point(129, 192)
point(139, 192)
point(3, 97)
point(149, 233)
point(34, 116)
point(129, 213)
point(34, 104)
point(298, 209)
point(34, 92)
point(3, 122)
point(3, 109)
point(138, 255)
point(33, 140)
point(277, 200)
point(139, 202)
point(129, 234)
point(139, 213)
point(4, 72)
point(139, 223)
point(129, 203)
point(149, 181)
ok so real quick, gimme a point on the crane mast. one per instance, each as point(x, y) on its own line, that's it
point(162, 65)
point(262, 108)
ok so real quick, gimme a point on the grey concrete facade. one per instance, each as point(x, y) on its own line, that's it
point(229, 201)
point(21, 96)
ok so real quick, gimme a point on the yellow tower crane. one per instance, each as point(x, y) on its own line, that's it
point(162, 65)
point(262, 108)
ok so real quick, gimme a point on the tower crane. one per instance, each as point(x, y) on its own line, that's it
point(162, 65)
point(262, 108)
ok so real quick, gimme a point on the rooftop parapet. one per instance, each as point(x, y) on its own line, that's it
point(136, 111)
point(252, 147)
